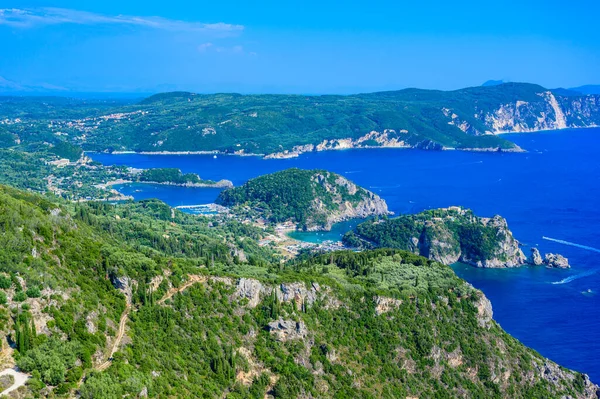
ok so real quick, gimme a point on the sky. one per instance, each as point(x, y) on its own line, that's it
point(307, 47)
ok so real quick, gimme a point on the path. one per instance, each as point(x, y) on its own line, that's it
point(118, 338)
point(20, 380)
point(193, 280)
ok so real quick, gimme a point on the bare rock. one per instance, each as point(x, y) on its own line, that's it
point(484, 311)
point(556, 261)
point(250, 289)
point(385, 304)
point(536, 258)
point(285, 330)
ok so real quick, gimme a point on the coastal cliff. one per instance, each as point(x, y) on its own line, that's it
point(310, 199)
point(446, 235)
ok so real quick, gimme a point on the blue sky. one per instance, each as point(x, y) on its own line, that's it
point(295, 47)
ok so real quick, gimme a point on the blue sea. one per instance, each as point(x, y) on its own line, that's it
point(552, 190)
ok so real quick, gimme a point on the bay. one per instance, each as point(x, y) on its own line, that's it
point(552, 190)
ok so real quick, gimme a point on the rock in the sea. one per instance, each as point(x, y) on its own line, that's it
point(557, 261)
point(536, 257)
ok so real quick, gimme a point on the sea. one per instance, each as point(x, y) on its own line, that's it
point(550, 196)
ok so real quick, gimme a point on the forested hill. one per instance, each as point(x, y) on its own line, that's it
point(310, 199)
point(189, 317)
point(447, 235)
point(286, 125)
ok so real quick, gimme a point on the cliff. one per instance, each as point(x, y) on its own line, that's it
point(446, 235)
point(310, 199)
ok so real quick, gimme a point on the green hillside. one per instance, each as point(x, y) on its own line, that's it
point(269, 124)
point(310, 199)
point(195, 308)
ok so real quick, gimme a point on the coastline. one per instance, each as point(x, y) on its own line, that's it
point(295, 154)
point(219, 184)
point(298, 150)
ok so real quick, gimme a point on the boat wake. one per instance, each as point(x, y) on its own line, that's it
point(384, 187)
point(572, 244)
point(575, 277)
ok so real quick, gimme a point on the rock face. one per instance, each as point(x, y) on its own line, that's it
point(285, 330)
point(536, 257)
point(388, 138)
point(485, 313)
point(556, 261)
point(506, 251)
point(368, 204)
point(546, 112)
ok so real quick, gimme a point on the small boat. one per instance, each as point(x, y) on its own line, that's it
point(214, 156)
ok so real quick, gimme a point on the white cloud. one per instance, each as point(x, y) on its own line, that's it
point(32, 17)
point(204, 47)
point(237, 49)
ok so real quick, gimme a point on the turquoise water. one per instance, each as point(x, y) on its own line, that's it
point(336, 233)
point(553, 191)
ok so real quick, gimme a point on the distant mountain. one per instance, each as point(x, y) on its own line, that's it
point(493, 83)
point(8, 86)
point(587, 89)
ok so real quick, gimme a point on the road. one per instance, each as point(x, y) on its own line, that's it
point(20, 380)
point(193, 280)
point(118, 338)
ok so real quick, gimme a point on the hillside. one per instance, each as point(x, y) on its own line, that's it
point(310, 199)
point(287, 125)
point(188, 319)
point(444, 235)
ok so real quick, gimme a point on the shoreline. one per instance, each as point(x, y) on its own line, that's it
point(504, 132)
point(220, 184)
point(295, 154)
point(281, 156)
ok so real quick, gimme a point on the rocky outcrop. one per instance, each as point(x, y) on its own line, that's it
point(556, 261)
point(548, 112)
point(446, 235)
point(556, 375)
point(250, 289)
point(367, 204)
point(535, 258)
point(550, 260)
point(506, 251)
point(485, 313)
point(385, 304)
point(285, 330)
point(388, 138)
